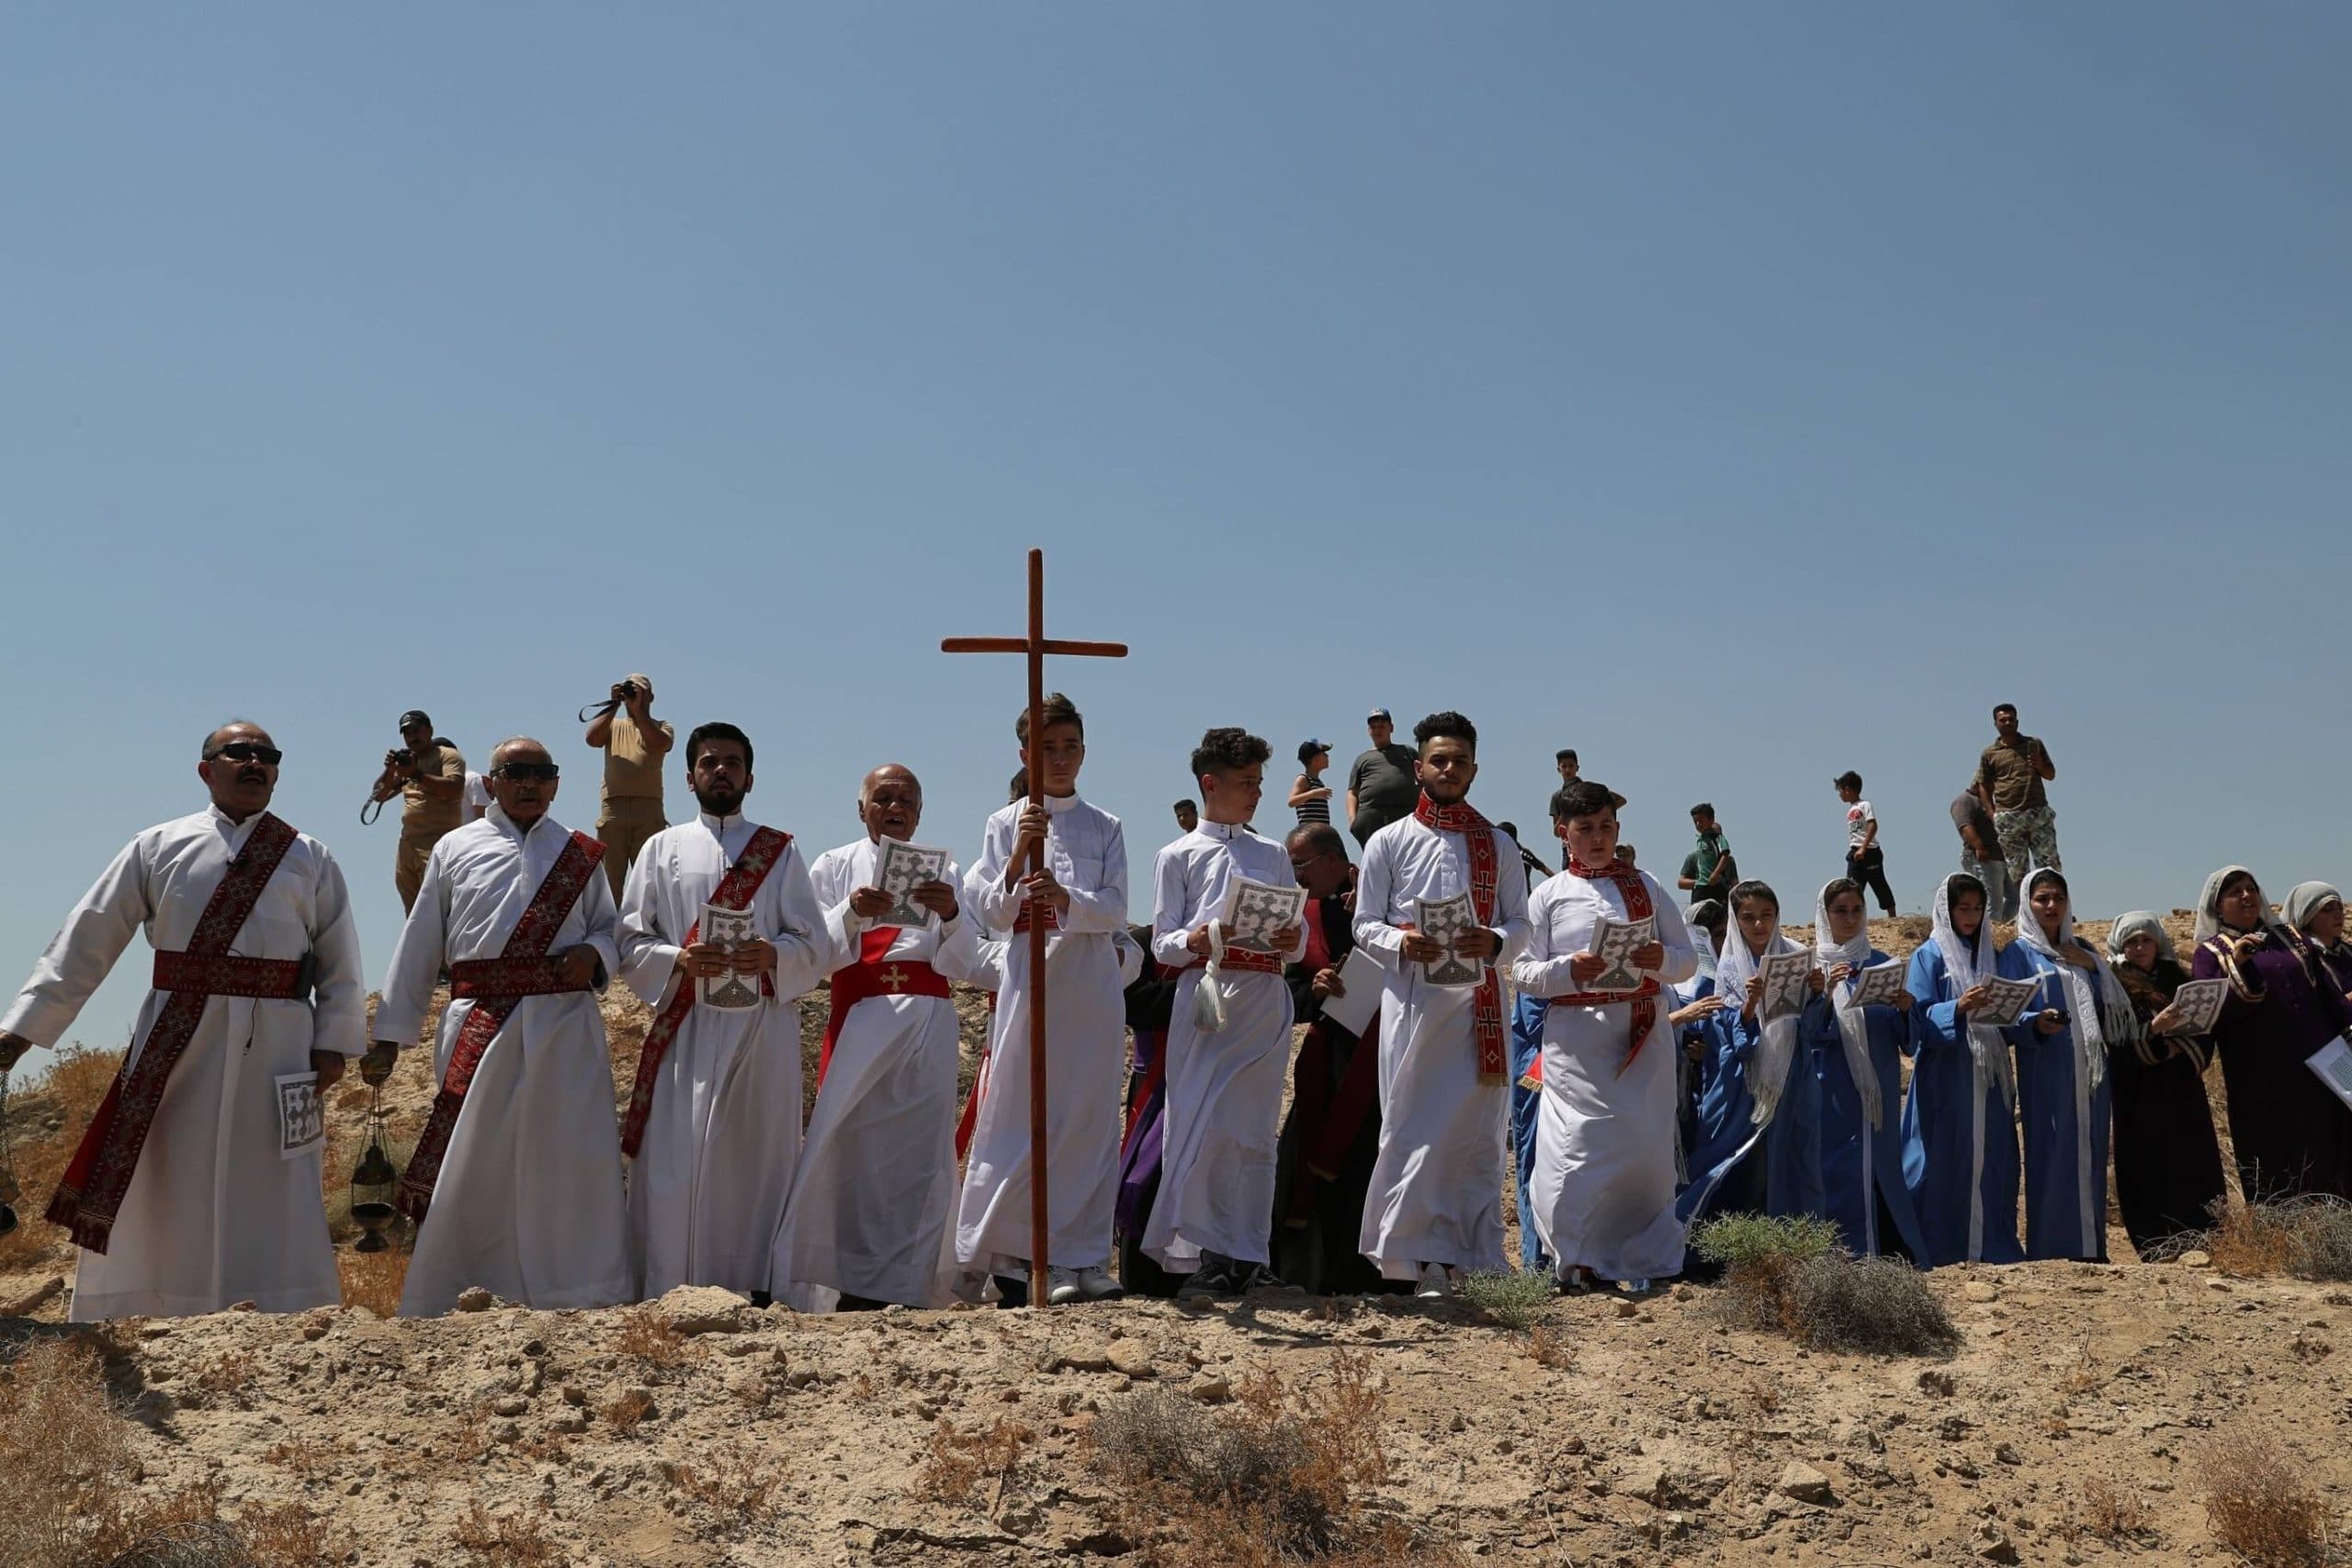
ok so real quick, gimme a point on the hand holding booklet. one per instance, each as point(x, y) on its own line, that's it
point(2197, 1005)
point(2005, 1003)
point(1255, 911)
point(1616, 943)
point(1446, 921)
point(1879, 985)
point(1787, 978)
point(728, 992)
point(899, 871)
point(1360, 984)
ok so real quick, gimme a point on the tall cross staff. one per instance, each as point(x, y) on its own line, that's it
point(1036, 646)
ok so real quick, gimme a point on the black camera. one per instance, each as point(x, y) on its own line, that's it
point(400, 758)
point(628, 691)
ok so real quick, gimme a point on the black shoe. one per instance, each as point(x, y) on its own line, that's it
point(763, 1298)
point(1011, 1292)
point(1256, 1277)
point(1215, 1277)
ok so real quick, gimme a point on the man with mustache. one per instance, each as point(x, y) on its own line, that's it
point(518, 1163)
point(714, 1119)
point(178, 1195)
point(876, 1182)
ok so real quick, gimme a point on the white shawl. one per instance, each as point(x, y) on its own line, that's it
point(1853, 1027)
point(1768, 1072)
point(2100, 1007)
point(1964, 963)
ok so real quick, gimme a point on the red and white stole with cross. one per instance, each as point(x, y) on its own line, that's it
point(1636, 894)
point(735, 891)
point(1478, 840)
point(533, 935)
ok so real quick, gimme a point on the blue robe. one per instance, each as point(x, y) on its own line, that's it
point(1733, 1170)
point(2065, 1160)
point(1527, 1016)
point(1691, 1072)
point(1861, 1165)
point(1944, 1118)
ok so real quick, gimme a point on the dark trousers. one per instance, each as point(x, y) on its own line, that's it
point(1869, 869)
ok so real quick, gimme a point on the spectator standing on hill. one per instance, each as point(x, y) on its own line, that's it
point(1188, 815)
point(634, 743)
point(1310, 797)
point(1865, 859)
point(429, 776)
point(2009, 777)
point(1383, 786)
point(1708, 870)
point(1979, 853)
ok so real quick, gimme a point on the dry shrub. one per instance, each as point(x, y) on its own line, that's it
point(232, 1373)
point(1279, 1477)
point(2308, 1237)
point(622, 1414)
point(1510, 1299)
point(65, 1454)
point(1550, 1348)
point(646, 1335)
point(1788, 1276)
point(728, 1481)
point(960, 1461)
point(373, 1279)
point(513, 1541)
point(69, 1092)
point(2257, 1504)
point(2110, 1515)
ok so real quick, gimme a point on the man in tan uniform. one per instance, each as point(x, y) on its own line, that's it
point(634, 743)
point(430, 778)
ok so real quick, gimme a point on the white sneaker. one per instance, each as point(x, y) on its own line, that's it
point(1096, 1285)
point(1061, 1285)
point(1435, 1284)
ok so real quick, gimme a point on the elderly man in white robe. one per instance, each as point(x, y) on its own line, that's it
point(713, 1124)
point(1602, 1195)
point(179, 1196)
point(519, 1164)
point(877, 1184)
point(1433, 1209)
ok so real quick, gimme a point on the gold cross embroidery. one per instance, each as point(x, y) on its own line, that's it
point(893, 978)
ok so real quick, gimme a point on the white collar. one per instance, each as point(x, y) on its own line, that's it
point(1225, 832)
point(1058, 804)
point(722, 826)
point(512, 828)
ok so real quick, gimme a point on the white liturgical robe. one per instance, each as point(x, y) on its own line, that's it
point(213, 1216)
point(1224, 1088)
point(876, 1184)
point(1435, 1194)
point(1602, 1195)
point(528, 1201)
point(1085, 1049)
point(710, 1178)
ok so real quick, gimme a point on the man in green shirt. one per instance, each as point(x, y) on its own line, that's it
point(1709, 871)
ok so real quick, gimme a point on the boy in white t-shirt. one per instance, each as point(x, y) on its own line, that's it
point(1865, 862)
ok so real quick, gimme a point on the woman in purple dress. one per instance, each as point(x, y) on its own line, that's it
point(2315, 913)
point(2292, 1135)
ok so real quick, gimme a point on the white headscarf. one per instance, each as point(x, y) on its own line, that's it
point(2139, 922)
point(1767, 1070)
point(2100, 1007)
point(2208, 924)
point(1966, 965)
point(2307, 899)
point(1852, 1026)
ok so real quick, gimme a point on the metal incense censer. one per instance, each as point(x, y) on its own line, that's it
point(374, 1183)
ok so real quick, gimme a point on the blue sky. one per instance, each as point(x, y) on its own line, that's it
point(1738, 393)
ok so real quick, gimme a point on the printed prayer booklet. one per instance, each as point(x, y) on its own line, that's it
point(729, 992)
point(1787, 978)
point(1361, 976)
point(1879, 985)
point(1254, 911)
point(2198, 1005)
point(1616, 943)
point(1448, 921)
point(2332, 1063)
point(899, 871)
point(301, 1116)
point(2005, 1003)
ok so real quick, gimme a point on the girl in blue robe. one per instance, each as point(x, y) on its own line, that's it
point(2080, 1009)
point(1861, 1088)
point(1959, 1146)
point(1758, 1145)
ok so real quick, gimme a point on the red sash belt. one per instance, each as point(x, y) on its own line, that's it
point(874, 974)
point(1248, 960)
point(225, 974)
point(90, 1195)
point(509, 978)
point(735, 891)
point(530, 939)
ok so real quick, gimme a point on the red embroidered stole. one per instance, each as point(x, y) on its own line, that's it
point(91, 1194)
point(1636, 893)
point(735, 891)
point(533, 935)
point(874, 974)
point(1479, 839)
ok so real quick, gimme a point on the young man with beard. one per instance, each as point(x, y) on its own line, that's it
point(178, 1195)
point(1225, 1083)
point(518, 1162)
point(714, 1119)
point(1434, 1208)
point(876, 1184)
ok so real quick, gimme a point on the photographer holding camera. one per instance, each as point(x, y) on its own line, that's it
point(430, 777)
point(634, 743)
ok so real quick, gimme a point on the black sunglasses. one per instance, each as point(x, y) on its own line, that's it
point(246, 751)
point(526, 770)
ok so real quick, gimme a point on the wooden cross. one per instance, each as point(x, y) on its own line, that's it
point(1035, 646)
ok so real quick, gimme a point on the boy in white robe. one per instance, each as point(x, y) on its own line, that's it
point(1082, 892)
point(1434, 1208)
point(520, 1161)
point(183, 1203)
point(876, 1184)
point(713, 1124)
point(1212, 1216)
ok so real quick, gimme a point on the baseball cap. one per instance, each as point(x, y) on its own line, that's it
point(414, 718)
point(1378, 714)
point(1308, 748)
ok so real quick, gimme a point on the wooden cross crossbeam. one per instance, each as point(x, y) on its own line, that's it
point(1035, 646)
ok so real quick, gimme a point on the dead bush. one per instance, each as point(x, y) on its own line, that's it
point(1788, 1276)
point(1550, 1348)
point(373, 1279)
point(623, 1414)
point(960, 1461)
point(1278, 1477)
point(65, 1454)
point(68, 1094)
point(2110, 1515)
point(733, 1485)
point(646, 1336)
point(511, 1540)
point(2308, 1237)
point(284, 1536)
point(2257, 1505)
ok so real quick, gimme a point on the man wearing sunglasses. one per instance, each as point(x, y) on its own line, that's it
point(178, 1195)
point(519, 1162)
